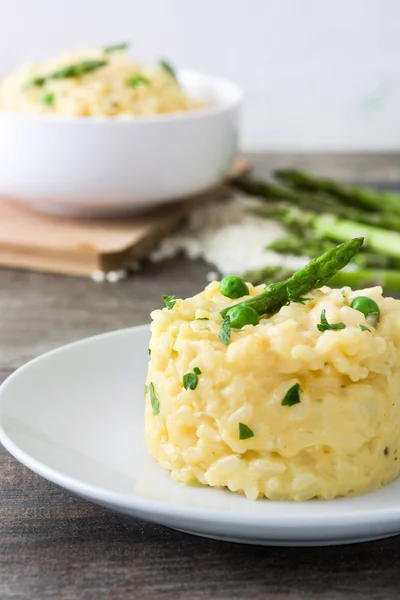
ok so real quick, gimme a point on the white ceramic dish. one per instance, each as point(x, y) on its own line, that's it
point(75, 416)
point(96, 166)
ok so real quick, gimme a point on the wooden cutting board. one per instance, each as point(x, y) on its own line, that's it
point(34, 241)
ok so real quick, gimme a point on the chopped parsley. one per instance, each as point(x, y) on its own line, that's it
point(168, 68)
point(245, 432)
point(190, 381)
point(48, 99)
point(202, 319)
point(136, 80)
point(325, 326)
point(292, 396)
point(363, 328)
point(225, 331)
point(197, 371)
point(149, 351)
point(115, 48)
point(297, 299)
point(169, 301)
point(155, 404)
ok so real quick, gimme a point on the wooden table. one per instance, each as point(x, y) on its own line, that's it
point(54, 545)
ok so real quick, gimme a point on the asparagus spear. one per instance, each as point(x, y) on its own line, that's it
point(311, 245)
point(378, 239)
point(75, 70)
point(388, 279)
point(262, 189)
point(317, 202)
point(361, 278)
point(316, 274)
point(356, 196)
point(307, 245)
point(328, 226)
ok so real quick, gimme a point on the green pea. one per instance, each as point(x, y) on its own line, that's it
point(366, 306)
point(48, 99)
point(240, 316)
point(233, 287)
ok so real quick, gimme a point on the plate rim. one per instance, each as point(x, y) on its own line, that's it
point(159, 508)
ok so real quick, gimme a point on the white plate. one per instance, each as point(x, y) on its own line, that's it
point(75, 416)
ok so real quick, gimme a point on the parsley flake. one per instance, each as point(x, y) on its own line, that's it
point(225, 331)
point(155, 404)
point(190, 381)
point(197, 371)
point(363, 328)
point(168, 68)
point(136, 80)
point(169, 301)
point(297, 299)
point(245, 432)
point(292, 396)
point(115, 48)
point(325, 326)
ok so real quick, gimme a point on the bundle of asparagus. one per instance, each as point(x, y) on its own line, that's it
point(317, 213)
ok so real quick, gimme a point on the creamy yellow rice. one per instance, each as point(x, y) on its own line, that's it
point(103, 92)
point(342, 438)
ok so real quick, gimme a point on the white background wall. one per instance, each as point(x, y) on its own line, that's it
point(319, 74)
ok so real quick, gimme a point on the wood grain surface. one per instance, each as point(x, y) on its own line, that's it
point(56, 244)
point(54, 545)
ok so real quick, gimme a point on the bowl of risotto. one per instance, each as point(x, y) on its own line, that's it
point(93, 132)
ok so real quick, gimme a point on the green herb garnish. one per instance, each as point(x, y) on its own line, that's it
point(363, 328)
point(48, 99)
point(292, 396)
point(169, 301)
point(197, 371)
point(298, 299)
point(76, 70)
point(245, 432)
point(225, 331)
point(168, 68)
point(325, 326)
point(202, 319)
point(136, 80)
point(149, 351)
point(115, 48)
point(155, 404)
point(190, 381)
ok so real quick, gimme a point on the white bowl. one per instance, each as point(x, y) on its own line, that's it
point(95, 165)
